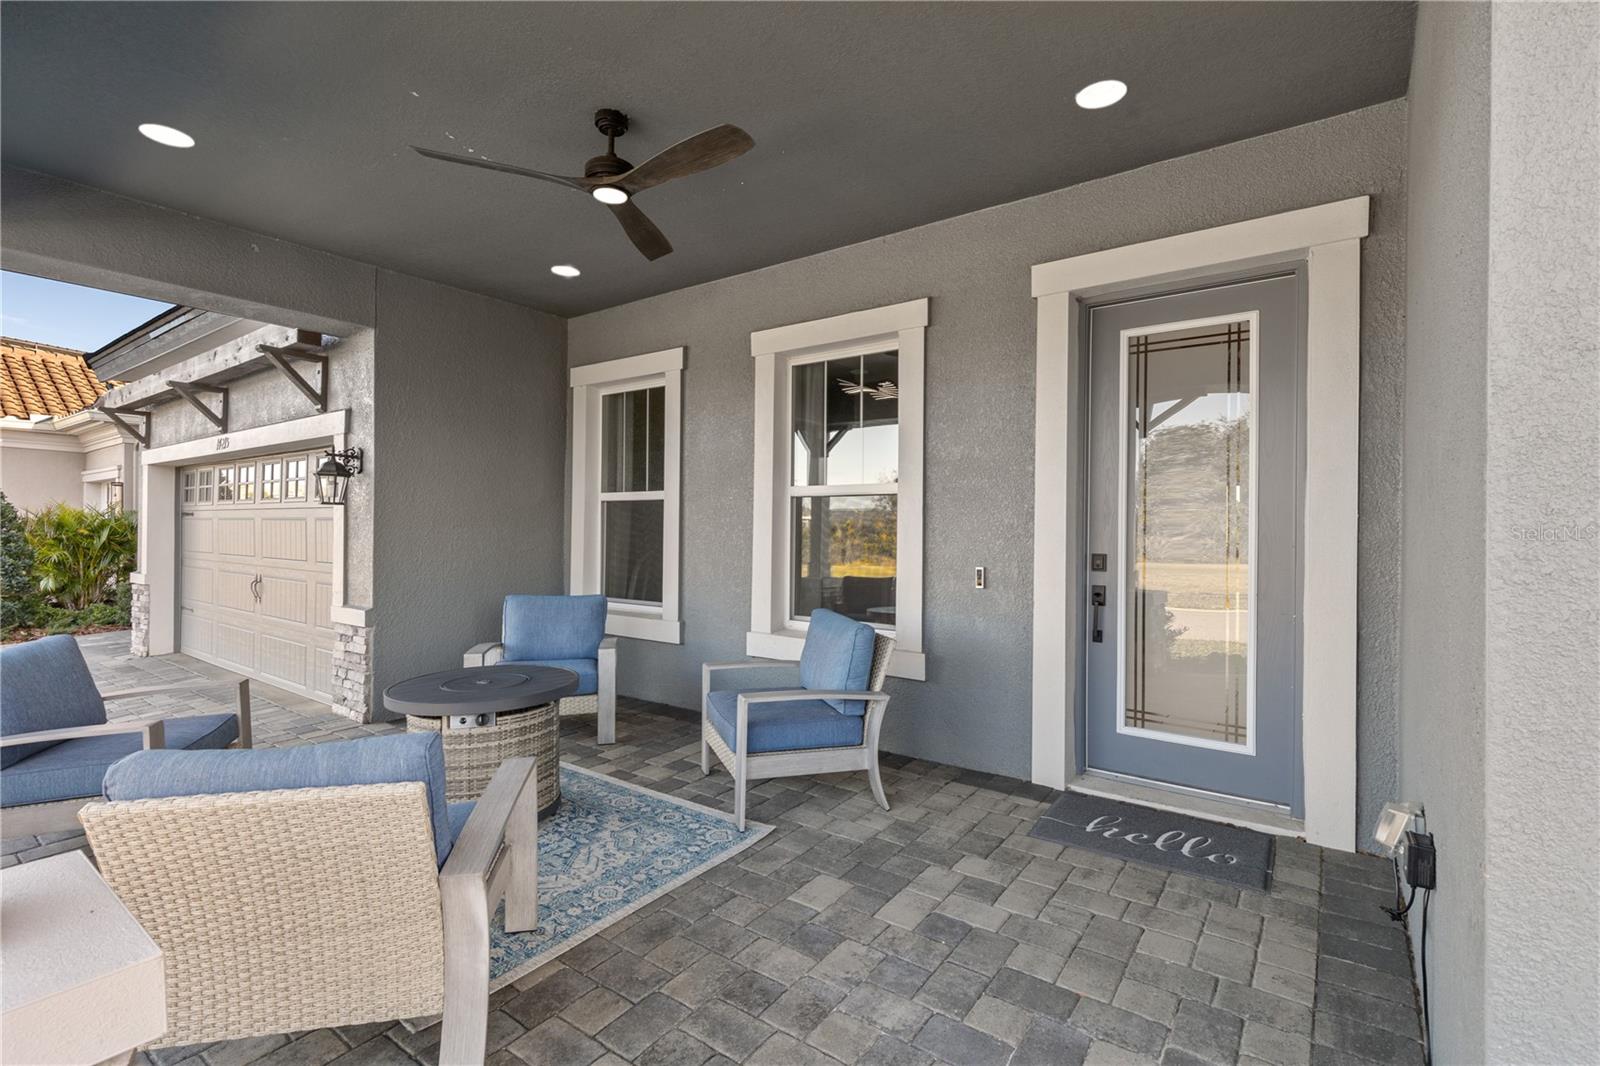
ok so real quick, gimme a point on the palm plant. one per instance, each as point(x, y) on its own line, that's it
point(79, 552)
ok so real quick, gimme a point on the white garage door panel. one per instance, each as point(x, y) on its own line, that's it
point(283, 539)
point(236, 535)
point(256, 590)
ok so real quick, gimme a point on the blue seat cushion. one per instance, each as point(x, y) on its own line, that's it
point(837, 656)
point(47, 686)
point(543, 628)
point(458, 813)
point(588, 671)
point(797, 725)
point(75, 769)
point(367, 761)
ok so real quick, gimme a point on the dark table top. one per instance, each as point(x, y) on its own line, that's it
point(479, 690)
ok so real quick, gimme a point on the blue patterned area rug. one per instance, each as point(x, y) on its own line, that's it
point(609, 849)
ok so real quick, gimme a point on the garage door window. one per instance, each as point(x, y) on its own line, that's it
point(245, 488)
point(294, 479)
point(271, 480)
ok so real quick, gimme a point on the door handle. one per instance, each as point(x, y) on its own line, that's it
point(255, 588)
point(1097, 598)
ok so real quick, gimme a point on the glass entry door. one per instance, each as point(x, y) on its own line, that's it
point(1193, 574)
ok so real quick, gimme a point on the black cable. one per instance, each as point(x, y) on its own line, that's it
point(1427, 1026)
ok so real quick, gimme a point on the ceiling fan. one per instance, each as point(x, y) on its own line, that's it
point(615, 181)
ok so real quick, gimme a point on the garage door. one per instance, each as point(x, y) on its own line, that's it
point(256, 571)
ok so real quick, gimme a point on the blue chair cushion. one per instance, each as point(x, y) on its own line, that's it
point(588, 671)
point(75, 769)
point(458, 813)
point(838, 657)
point(47, 686)
point(368, 761)
point(543, 628)
point(797, 725)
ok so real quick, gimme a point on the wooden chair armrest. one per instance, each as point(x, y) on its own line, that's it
point(242, 711)
point(154, 731)
point(485, 654)
point(513, 789)
point(608, 644)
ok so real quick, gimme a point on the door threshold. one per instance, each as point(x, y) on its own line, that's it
point(1241, 813)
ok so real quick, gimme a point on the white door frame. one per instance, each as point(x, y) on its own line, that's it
point(1327, 239)
point(158, 512)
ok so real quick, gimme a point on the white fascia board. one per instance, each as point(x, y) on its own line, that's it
point(634, 366)
point(854, 326)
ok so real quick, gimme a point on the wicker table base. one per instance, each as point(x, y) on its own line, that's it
point(471, 756)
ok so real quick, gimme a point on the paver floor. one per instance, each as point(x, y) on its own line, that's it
point(938, 932)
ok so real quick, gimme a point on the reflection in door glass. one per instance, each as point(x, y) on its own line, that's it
point(1189, 513)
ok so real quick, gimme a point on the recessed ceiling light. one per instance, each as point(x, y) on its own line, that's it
point(166, 135)
point(565, 270)
point(610, 194)
point(1101, 94)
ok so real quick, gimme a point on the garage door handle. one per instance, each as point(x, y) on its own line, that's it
point(255, 588)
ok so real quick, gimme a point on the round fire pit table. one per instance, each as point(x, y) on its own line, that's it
point(486, 715)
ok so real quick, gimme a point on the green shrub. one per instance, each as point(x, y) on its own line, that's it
point(79, 552)
point(18, 598)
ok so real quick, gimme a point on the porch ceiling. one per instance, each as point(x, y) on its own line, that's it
point(868, 118)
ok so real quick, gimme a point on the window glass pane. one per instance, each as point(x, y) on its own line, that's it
point(188, 486)
point(271, 480)
point(843, 549)
point(1189, 520)
point(632, 439)
point(632, 561)
point(246, 489)
point(224, 484)
point(205, 486)
point(294, 479)
point(846, 421)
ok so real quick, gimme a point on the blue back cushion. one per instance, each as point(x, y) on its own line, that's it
point(46, 685)
point(553, 627)
point(837, 656)
point(368, 761)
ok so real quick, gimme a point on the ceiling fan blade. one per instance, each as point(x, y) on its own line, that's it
point(581, 184)
point(641, 231)
point(710, 148)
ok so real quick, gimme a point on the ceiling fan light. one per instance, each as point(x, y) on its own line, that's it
point(610, 194)
point(1101, 94)
point(565, 270)
point(166, 135)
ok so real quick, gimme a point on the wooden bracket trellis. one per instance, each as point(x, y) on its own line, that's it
point(140, 435)
point(303, 350)
point(191, 391)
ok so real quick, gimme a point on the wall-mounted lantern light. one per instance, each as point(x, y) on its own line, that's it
point(334, 473)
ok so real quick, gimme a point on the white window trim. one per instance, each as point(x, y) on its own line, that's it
point(1328, 239)
point(589, 383)
point(773, 634)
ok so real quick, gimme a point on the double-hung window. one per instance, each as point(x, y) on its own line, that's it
point(625, 457)
point(838, 479)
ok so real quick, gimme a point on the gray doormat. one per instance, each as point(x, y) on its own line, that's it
point(1226, 853)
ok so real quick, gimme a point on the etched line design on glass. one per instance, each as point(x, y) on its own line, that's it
point(1188, 586)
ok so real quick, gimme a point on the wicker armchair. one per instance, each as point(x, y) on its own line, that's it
point(55, 741)
point(279, 909)
point(828, 725)
point(568, 632)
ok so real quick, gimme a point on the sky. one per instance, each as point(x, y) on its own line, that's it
point(68, 316)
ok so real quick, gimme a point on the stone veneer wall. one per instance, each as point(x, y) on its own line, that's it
point(139, 641)
point(352, 672)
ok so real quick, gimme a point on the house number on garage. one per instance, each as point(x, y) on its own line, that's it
point(222, 444)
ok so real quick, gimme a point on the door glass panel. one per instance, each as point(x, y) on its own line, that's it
point(1188, 514)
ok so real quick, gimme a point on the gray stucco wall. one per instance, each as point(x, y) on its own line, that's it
point(974, 709)
point(468, 466)
point(1542, 544)
point(1442, 624)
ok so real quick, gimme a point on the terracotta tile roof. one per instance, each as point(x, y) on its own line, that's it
point(41, 379)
